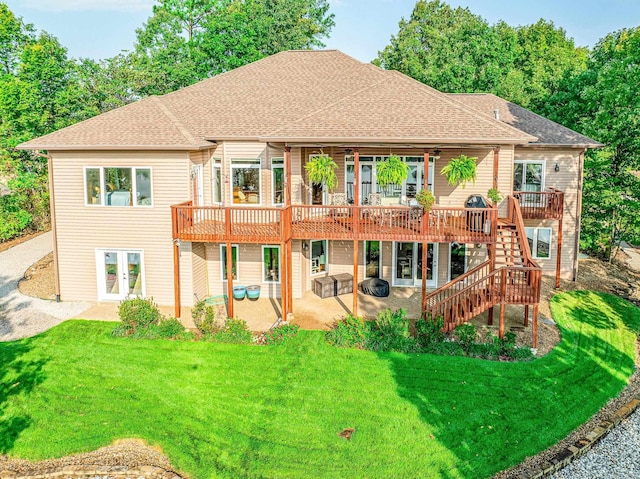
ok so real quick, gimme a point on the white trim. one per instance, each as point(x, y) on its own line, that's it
point(100, 180)
point(417, 283)
point(264, 246)
point(524, 164)
point(536, 231)
point(216, 165)
point(223, 259)
point(134, 186)
point(121, 261)
point(326, 257)
point(466, 260)
point(255, 163)
point(277, 166)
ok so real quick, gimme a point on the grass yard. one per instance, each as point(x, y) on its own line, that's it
point(275, 412)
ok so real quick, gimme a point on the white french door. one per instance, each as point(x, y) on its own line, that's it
point(120, 274)
point(407, 264)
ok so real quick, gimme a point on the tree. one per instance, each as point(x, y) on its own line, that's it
point(603, 103)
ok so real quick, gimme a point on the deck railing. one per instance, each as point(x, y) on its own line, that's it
point(387, 223)
point(540, 204)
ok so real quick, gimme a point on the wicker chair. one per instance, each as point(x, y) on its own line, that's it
point(339, 199)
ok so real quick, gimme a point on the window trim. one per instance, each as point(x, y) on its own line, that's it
point(536, 230)
point(279, 165)
point(134, 183)
point(247, 163)
point(466, 261)
point(216, 165)
point(223, 259)
point(364, 257)
point(525, 163)
point(270, 246)
point(326, 259)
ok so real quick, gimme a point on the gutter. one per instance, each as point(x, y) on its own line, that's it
point(54, 228)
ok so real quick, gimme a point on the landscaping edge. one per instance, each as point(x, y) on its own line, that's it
point(111, 472)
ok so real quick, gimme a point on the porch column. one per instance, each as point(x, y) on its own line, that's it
point(229, 280)
point(559, 247)
point(355, 277)
point(535, 325)
point(496, 155)
point(284, 281)
point(503, 293)
point(425, 176)
point(176, 277)
point(356, 177)
point(290, 275)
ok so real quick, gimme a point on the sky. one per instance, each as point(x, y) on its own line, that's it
point(100, 29)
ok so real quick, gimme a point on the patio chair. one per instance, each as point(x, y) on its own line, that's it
point(339, 199)
point(375, 199)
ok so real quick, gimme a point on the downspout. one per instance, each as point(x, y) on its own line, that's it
point(578, 212)
point(54, 228)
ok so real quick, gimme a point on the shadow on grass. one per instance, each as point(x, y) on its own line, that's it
point(19, 375)
point(493, 415)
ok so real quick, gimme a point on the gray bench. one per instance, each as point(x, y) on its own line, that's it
point(328, 286)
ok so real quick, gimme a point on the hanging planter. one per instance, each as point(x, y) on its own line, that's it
point(425, 199)
point(321, 170)
point(392, 171)
point(460, 170)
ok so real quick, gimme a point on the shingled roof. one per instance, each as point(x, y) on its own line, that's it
point(549, 133)
point(294, 96)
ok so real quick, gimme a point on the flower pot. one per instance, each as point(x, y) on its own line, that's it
point(239, 292)
point(253, 292)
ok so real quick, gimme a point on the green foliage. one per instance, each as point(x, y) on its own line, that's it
point(321, 169)
point(391, 171)
point(204, 317)
point(234, 331)
point(494, 195)
point(350, 332)
point(138, 313)
point(170, 328)
point(281, 334)
point(466, 334)
point(429, 331)
point(425, 199)
point(391, 332)
point(460, 170)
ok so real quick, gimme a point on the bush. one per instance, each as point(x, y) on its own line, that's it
point(138, 313)
point(234, 331)
point(204, 317)
point(281, 334)
point(170, 328)
point(392, 332)
point(429, 331)
point(350, 332)
point(466, 334)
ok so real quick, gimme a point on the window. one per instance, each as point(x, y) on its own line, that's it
point(216, 178)
point(271, 264)
point(245, 178)
point(277, 181)
point(118, 186)
point(234, 261)
point(528, 176)
point(319, 257)
point(539, 242)
point(458, 262)
point(372, 259)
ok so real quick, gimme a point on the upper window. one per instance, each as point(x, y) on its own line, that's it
point(539, 242)
point(118, 186)
point(245, 178)
point(277, 181)
point(528, 176)
point(216, 178)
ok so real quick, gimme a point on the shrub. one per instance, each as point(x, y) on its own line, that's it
point(234, 331)
point(204, 317)
point(170, 328)
point(429, 331)
point(466, 334)
point(350, 332)
point(392, 332)
point(281, 334)
point(138, 313)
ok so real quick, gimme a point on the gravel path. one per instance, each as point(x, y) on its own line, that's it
point(616, 455)
point(23, 316)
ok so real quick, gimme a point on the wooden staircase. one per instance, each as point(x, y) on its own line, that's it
point(509, 276)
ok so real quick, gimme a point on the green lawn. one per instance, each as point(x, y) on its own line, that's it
point(248, 411)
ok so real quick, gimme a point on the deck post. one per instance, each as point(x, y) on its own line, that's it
point(229, 280)
point(284, 281)
point(535, 325)
point(176, 276)
point(526, 315)
point(289, 275)
point(425, 220)
point(559, 247)
point(503, 291)
point(496, 156)
point(356, 177)
point(355, 278)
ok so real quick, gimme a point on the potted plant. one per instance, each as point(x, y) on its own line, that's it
point(460, 170)
point(425, 199)
point(392, 171)
point(494, 195)
point(321, 169)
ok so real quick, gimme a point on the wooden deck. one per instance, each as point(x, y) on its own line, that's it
point(277, 225)
point(541, 205)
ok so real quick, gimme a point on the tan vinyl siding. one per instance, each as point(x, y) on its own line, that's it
point(83, 229)
point(565, 180)
point(199, 270)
